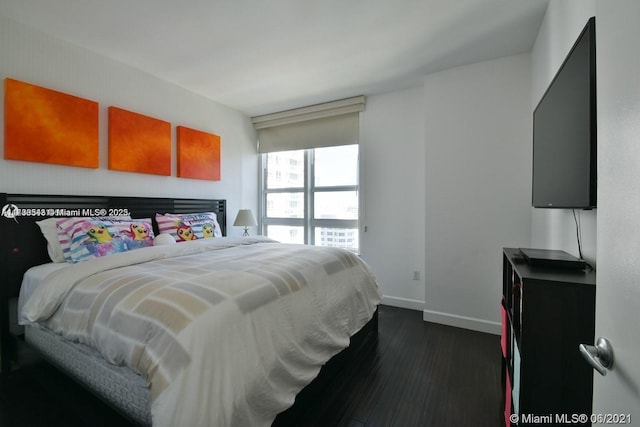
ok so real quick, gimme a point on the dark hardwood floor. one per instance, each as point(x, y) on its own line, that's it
point(415, 374)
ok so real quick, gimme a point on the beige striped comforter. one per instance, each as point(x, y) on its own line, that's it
point(226, 331)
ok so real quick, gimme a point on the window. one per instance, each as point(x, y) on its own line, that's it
point(311, 196)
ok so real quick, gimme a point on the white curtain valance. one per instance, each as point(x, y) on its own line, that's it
point(322, 125)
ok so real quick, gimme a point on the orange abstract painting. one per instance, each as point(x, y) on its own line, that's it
point(139, 143)
point(46, 126)
point(198, 154)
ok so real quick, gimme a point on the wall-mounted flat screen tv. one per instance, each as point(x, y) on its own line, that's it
point(564, 132)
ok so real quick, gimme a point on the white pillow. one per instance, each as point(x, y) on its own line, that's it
point(50, 233)
point(163, 239)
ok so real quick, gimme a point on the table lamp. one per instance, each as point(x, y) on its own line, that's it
point(245, 219)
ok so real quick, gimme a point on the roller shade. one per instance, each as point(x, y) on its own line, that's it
point(322, 125)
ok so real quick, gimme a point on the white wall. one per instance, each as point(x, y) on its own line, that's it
point(618, 287)
point(478, 186)
point(392, 189)
point(563, 22)
point(36, 58)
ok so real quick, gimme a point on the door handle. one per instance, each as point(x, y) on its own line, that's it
point(600, 356)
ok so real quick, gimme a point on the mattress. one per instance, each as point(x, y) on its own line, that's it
point(119, 386)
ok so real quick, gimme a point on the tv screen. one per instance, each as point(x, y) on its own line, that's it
point(564, 132)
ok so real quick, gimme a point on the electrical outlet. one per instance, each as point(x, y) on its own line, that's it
point(416, 275)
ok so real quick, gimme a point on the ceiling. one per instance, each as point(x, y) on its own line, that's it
point(261, 56)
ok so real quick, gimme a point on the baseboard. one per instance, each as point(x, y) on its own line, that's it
point(462, 322)
point(411, 304)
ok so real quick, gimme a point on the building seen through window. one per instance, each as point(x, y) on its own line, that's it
point(311, 196)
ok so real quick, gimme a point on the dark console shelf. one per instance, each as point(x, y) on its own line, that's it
point(546, 314)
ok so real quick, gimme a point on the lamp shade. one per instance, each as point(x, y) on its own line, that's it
point(245, 218)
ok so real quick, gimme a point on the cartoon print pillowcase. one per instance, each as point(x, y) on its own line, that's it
point(184, 227)
point(63, 228)
point(93, 238)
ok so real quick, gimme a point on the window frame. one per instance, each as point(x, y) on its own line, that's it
point(308, 222)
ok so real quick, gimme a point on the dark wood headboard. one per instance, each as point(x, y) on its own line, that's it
point(22, 245)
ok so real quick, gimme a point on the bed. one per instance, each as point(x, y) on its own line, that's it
point(221, 331)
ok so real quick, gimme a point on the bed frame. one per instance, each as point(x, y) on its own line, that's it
point(23, 246)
